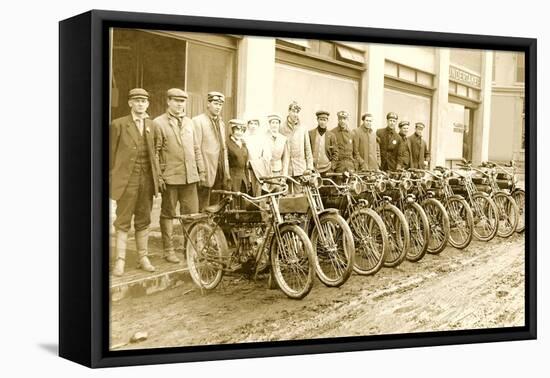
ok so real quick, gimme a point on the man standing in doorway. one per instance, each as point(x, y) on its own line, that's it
point(388, 139)
point(420, 152)
point(367, 151)
point(343, 158)
point(133, 177)
point(181, 166)
point(210, 133)
point(323, 143)
point(404, 149)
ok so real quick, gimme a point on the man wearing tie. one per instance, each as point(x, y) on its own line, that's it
point(133, 177)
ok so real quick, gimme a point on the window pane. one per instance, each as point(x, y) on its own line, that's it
point(210, 69)
point(314, 91)
point(140, 59)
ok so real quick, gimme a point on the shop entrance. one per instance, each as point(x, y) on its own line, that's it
point(460, 134)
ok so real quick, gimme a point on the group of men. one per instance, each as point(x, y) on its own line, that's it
point(185, 159)
point(361, 149)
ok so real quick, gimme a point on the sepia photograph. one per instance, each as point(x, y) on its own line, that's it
point(266, 189)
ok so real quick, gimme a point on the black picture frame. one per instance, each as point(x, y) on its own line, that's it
point(83, 181)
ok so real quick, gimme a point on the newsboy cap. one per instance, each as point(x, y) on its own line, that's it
point(319, 113)
point(342, 114)
point(273, 117)
point(138, 93)
point(216, 96)
point(294, 106)
point(176, 93)
point(235, 122)
point(403, 123)
point(392, 115)
point(419, 125)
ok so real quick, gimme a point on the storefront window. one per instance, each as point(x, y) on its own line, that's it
point(409, 107)
point(157, 62)
point(146, 60)
point(210, 69)
point(314, 91)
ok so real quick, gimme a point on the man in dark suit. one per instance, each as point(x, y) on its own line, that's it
point(420, 152)
point(343, 157)
point(323, 143)
point(404, 149)
point(181, 166)
point(211, 137)
point(133, 177)
point(388, 139)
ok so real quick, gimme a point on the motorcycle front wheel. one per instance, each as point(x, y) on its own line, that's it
point(333, 251)
point(292, 261)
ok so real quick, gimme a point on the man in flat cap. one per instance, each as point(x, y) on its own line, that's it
point(280, 154)
point(367, 151)
point(388, 139)
point(420, 152)
point(211, 137)
point(301, 158)
point(404, 149)
point(133, 177)
point(181, 166)
point(323, 143)
point(343, 157)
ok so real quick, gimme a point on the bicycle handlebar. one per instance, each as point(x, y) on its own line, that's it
point(251, 198)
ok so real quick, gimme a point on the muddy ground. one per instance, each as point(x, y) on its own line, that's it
point(480, 287)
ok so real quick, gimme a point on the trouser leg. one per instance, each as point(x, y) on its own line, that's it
point(203, 197)
point(142, 220)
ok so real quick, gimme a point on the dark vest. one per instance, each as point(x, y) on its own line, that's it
point(143, 163)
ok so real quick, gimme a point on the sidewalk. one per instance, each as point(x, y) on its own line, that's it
point(136, 282)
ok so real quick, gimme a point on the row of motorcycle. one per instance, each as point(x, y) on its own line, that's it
point(333, 225)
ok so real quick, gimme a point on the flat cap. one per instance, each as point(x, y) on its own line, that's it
point(365, 115)
point(319, 113)
point(236, 122)
point(216, 96)
point(342, 114)
point(176, 93)
point(138, 93)
point(294, 106)
point(419, 125)
point(404, 123)
point(392, 115)
point(272, 117)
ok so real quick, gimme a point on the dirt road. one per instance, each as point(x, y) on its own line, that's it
point(480, 287)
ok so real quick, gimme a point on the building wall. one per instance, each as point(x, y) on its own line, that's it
point(413, 81)
point(467, 58)
point(505, 140)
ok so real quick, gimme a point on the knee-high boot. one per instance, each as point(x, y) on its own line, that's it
point(167, 230)
point(120, 250)
point(141, 244)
